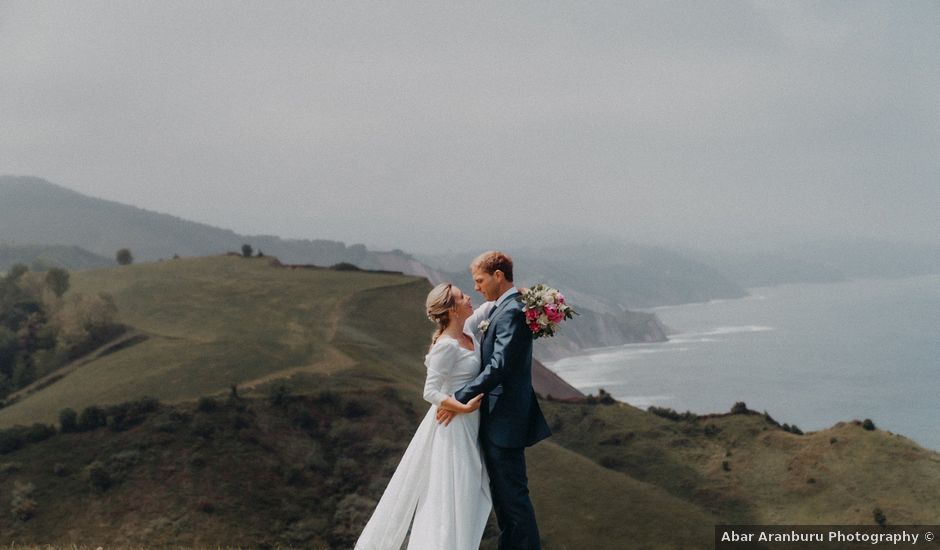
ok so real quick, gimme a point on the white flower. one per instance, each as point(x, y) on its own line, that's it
point(484, 324)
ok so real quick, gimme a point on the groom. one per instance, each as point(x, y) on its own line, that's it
point(510, 417)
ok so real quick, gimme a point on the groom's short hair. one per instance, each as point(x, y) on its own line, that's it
point(489, 262)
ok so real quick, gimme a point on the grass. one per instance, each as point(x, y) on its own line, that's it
point(347, 348)
point(212, 322)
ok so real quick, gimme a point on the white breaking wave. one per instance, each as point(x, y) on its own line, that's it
point(726, 330)
point(690, 340)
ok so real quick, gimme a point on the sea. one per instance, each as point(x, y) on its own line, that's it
point(809, 354)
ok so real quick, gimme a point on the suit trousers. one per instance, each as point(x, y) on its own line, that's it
point(510, 491)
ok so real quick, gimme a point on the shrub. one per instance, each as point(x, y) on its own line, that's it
point(711, 430)
point(91, 418)
point(739, 408)
point(22, 506)
point(203, 429)
point(345, 266)
point(68, 421)
point(57, 280)
point(280, 395)
point(351, 516)
point(207, 404)
point(793, 429)
point(39, 432)
point(169, 421)
point(671, 414)
point(98, 476)
point(205, 506)
point(124, 257)
point(130, 413)
point(879, 517)
point(355, 409)
point(12, 439)
point(868, 424)
point(246, 250)
point(770, 419)
point(316, 461)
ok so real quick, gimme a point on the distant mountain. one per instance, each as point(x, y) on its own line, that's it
point(608, 276)
point(40, 257)
point(823, 261)
point(34, 211)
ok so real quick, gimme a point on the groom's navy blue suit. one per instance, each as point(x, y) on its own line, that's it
point(510, 420)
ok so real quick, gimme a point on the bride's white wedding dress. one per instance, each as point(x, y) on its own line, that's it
point(441, 480)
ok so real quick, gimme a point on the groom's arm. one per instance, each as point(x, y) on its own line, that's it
point(509, 337)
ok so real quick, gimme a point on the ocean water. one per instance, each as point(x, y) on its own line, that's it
point(809, 354)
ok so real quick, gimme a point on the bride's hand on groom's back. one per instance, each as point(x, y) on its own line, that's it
point(450, 408)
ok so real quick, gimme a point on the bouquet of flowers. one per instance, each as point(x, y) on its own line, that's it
point(544, 309)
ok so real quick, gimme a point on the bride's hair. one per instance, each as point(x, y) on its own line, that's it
point(440, 301)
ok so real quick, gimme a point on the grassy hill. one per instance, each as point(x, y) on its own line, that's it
point(329, 370)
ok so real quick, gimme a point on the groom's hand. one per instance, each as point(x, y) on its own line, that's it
point(444, 416)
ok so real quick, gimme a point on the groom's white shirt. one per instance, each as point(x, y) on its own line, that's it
point(472, 324)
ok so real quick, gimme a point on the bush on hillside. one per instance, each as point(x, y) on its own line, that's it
point(671, 414)
point(868, 424)
point(12, 439)
point(91, 418)
point(124, 257)
point(603, 398)
point(22, 506)
point(135, 409)
point(279, 395)
point(39, 432)
point(739, 408)
point(207, 404)
point(351, 516)
point(98, 476)
point(68, 421)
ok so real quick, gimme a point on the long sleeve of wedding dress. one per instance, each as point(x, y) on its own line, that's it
point(440, 360)
point(441, 484)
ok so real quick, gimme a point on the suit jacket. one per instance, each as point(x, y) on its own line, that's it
point(510, 412)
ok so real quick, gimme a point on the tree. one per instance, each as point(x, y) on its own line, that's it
point(17, 271)
point(246, 250)
point(124, 257)
point(57, 279)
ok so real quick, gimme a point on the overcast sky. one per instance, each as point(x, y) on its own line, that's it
point(440, 126)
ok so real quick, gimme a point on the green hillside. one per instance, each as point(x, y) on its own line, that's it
point(203, 324)
point(329, 369)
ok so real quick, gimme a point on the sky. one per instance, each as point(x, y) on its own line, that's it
point(445, 126)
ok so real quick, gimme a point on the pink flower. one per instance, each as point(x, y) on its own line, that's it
point(531, 315)
point(534, 327)
point(561, 298)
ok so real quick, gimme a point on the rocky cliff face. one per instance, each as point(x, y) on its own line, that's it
point(591, 329)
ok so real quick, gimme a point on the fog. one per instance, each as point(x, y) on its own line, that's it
point(733, 125)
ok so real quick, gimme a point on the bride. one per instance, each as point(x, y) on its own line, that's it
point(441, 480)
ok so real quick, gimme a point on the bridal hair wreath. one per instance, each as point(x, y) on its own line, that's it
point(438, 305)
